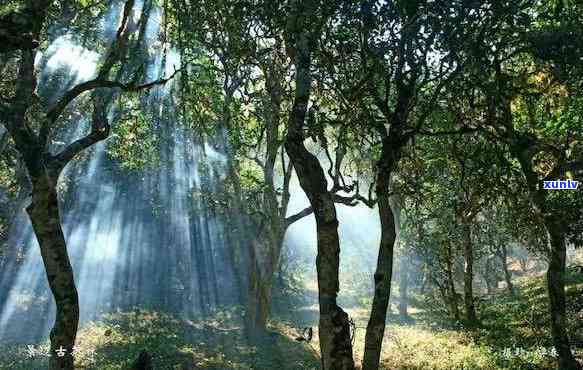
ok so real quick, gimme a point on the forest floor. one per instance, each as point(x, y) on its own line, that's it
point(513, 335)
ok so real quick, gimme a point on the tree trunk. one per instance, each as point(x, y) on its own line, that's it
point(334, 324)
point(3, 139)
point(261, 282)
point(403, 287)
point(488, 276)
point(507, 273)
point(45, 218)
point(557, 259)
point(471, 317)
point(557, 298)
point(442, 293)
point(143, 362)
point(258, 301)
point(424, 280)
point(450, 284)
point(375, 329)
point(265, 258)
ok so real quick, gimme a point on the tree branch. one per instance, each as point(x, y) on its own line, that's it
point(114, 55)
point(298, 216)
point(464, 130)
point(99, 131)
point(70, 95)
point(351, 201)
point(355, 199)
point(100, 126)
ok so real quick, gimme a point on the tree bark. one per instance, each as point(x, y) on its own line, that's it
point(557, 298)
point(521, 149)
point(45, 218)
point(334, 327)
point(260, 288)
point(489, 277)
point(403, 288)
point(334, 324)
point(3, 138)
point(471, 317)
point(507, 273)
point(258, 301)
point(451, 284)
point(270, 241)
point(375, 329)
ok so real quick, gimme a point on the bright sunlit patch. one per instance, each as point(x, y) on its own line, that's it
point(213, 155)
point(64, 53)
point(111, 20)
point(172, 62)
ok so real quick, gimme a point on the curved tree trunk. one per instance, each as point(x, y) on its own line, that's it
point(334, 325)
point(45, 218)
point(375, 329)
point(44, 168)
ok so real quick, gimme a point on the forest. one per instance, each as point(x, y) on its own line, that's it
point(291, 184)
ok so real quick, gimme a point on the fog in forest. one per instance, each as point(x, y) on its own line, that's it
point(291, 185)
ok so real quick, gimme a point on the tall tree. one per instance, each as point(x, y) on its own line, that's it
point(304, 25)
point(21, 114)
point(399, 85)
point(520, 101)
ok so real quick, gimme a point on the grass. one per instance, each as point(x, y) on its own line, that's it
point(513, 335)
point(116, 341)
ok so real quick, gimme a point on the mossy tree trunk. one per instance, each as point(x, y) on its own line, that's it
point(45, 217)
point(266, 251)
point(44, 168)
point(303, 30)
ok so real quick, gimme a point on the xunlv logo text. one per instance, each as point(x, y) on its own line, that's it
point(561, 185)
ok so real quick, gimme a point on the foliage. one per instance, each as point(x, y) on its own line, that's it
point(216, 343)
point(134, 142)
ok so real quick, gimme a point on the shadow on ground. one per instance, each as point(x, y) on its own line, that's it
point(117, 340)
